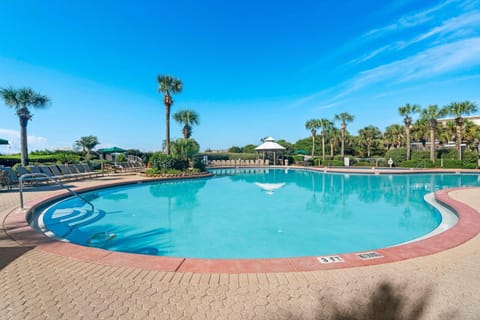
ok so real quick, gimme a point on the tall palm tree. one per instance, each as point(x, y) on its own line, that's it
point(458, 109)
point(344, 117)
point(334, 135)
point(431, 114)
point(325, 125)
point(406, 111)
point(393, 136)
point(313, 125)
point(21, 99)
point(369, 135)
point(168, 85)
point(187, 118)
point(87, 143)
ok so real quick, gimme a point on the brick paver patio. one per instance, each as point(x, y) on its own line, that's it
point(40, 285)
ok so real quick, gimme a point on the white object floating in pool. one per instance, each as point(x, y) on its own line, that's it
point(100, 237)
point(269, 188)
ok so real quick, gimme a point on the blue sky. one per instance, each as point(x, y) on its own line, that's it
point(250, 68)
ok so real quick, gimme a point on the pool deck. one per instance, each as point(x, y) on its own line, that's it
point(39, 282)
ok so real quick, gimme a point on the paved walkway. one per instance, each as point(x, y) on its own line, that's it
point(40, 285)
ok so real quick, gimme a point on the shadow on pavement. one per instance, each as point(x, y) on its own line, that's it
point(9, 254)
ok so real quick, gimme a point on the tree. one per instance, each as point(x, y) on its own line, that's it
point(87, 143)
point(325, 125)
point(21, 100)
point(185, 149)
point(168, 85)
point(344, 117)
point(187, 118)
point(333, 135)
point(430, 115)
point(369, 135)
point(406, 111)
point(313, 125)
point(393, 136)
point(458, 109)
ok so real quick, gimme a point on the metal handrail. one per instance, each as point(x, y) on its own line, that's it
point(31, 175)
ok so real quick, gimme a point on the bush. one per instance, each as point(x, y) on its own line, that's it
point(67, 158)
point(420, 155)
point(449, 163)
point(398, 155)
point(298, 158)
point(164, 162)
point(417, 164)
point(9, 161)
point(199, 165)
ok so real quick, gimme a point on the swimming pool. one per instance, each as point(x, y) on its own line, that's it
point(254, 213)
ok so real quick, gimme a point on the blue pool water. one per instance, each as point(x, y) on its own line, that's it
point(254, 213)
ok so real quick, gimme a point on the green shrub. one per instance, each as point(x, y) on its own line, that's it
point(298, 158)
point(398, 155)
point(420, 155)
point(199, 165)
point(469, 157)
point(151, 171)
point(121, 158)
point(469, 166)
point(449, 163)
point(161, 161)
point(417, 164)
point(67, 158)
point(9, 161)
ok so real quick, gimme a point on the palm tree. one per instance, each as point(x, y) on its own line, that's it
point(431, 114)
point(393, 136)
point(333, 134)
point(187, 118)
point(313, 125)
point(185, 149)
point(87, 143)
point(168, 85)
point(21, 100)
point(344, 117)
point(325, 125)
point(406, 111)
point(368, 136)
point(458, 109)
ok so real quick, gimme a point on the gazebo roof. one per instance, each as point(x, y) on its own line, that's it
point(269, 145)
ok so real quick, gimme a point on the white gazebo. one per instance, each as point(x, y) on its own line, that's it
point(269, 145)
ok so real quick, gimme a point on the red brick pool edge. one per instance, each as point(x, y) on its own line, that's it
point(467, 227)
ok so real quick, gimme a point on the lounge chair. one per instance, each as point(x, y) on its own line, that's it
point(21, 171)
point(75, 170)
point(89, 170)
point(10, 178)
point(62, 175)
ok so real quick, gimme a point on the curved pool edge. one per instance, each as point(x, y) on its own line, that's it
point(468, 226)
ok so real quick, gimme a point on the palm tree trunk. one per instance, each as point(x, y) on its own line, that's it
point(323, 146)
point(23, 141)
point(313, 145)
point(432, 144)
point(407, 138)
point(167, 125)
point(459, 123)
point(331, 148)
point(342, 152)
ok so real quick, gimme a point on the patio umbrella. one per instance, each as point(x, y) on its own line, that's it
point(301, 151)
point(3, 141)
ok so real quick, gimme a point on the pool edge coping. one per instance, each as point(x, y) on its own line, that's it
point(468, 226)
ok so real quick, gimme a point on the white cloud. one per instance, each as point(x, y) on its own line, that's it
point(13, 136)
point(408, 21)
point(435, 61)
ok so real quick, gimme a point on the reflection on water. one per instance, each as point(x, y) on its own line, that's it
point(258, 212)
